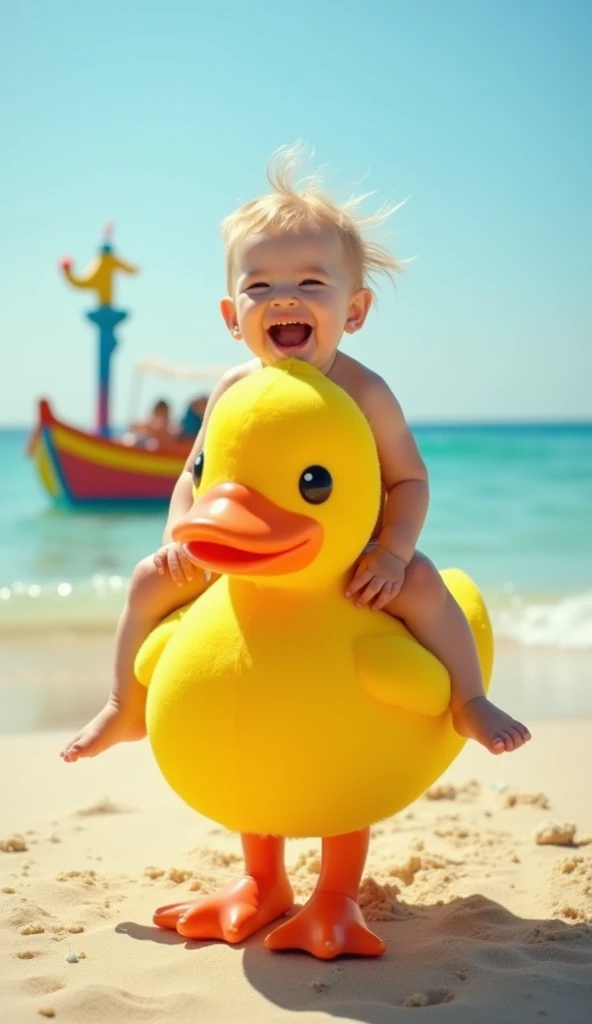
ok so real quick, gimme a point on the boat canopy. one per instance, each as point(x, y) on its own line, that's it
point(206, 373)
point(182, 371)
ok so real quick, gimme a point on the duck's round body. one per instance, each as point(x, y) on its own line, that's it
point(261, 711)
point(275, 705)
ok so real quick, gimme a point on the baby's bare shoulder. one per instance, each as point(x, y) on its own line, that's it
point(236, 373)
point(364, 385)
point(232, 376)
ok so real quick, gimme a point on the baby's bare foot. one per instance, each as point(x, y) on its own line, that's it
point(111, 725)
point(481, 720)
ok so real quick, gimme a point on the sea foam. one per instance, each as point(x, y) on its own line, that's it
point(564, 623)
point(95, 604)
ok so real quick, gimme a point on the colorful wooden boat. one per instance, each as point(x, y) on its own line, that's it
point(77, 468)
point(82, 468)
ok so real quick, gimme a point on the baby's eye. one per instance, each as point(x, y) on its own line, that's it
point(311, 282)
point(257, 285)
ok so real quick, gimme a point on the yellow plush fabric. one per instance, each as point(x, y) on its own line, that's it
point(275, 706)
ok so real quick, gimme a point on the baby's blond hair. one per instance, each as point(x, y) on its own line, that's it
point(293, 206)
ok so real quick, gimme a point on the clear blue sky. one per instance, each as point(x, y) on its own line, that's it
point(161, 117)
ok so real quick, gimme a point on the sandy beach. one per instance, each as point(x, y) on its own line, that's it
point(483, 923)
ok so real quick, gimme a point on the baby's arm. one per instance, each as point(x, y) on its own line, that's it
point(403, 471)
point(172, 557)
point(380, 575)
point(182, 496)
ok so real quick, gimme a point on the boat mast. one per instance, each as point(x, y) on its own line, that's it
point(99, 277)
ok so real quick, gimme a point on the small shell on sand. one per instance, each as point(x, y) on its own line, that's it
point(555, 834)
point(71, 958)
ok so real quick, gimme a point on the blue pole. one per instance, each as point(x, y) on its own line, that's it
point(106, 319)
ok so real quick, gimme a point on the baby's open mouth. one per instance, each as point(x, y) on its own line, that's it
point(290, 335)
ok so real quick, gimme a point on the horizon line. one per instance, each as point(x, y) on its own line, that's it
point(562, 421)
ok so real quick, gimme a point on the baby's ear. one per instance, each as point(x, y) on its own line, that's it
point(228, 311)
point(359, 307)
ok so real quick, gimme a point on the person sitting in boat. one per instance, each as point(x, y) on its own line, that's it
point(192, 418)
point(157, 431)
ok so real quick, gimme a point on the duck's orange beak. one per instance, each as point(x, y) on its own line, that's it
point(235, 530)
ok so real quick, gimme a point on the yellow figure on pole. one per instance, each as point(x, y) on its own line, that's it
point(99, 277)
point(100, 273)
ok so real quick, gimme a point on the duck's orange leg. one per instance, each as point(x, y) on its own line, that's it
point(331, 923)
point(242, 907)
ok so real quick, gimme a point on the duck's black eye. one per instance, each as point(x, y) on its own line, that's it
point(198, 467)
point(315, 485)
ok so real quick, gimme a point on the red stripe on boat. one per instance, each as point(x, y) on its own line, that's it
point(90, 482)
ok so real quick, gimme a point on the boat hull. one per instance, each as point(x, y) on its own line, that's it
point(77, 468)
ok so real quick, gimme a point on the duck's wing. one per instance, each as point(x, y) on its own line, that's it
point(397, 670)
point(151, 650)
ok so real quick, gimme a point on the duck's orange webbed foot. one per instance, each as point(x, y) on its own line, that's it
point(329, 925)
point(233, 914)
point(242, 907)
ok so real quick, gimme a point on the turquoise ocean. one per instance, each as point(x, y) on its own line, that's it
point(510, 504)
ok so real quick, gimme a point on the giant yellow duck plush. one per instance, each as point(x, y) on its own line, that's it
point(275, 705)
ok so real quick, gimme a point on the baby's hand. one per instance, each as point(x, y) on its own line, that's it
point(378, 578)
point(174, 558)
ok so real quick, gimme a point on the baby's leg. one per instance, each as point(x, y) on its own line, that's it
point(430, 612)
point(151, 597)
